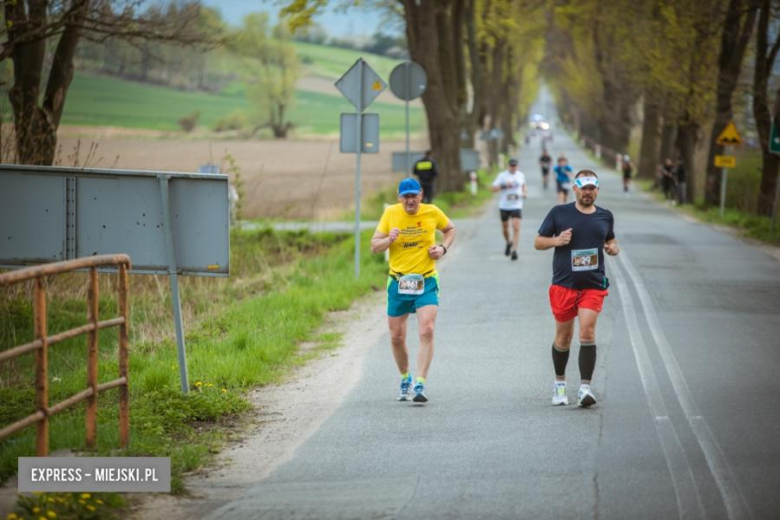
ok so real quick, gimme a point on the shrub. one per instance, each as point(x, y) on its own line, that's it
point(188, 123)
point(236, 120)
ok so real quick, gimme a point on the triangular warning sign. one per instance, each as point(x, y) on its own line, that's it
point(729, 135)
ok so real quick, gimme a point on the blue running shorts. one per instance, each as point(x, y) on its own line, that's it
point(402, 304)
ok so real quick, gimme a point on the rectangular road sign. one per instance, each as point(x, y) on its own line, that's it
point(49, 214)
point(725, 161)
point(369, 136)
point(469, 160)
point(774, 139)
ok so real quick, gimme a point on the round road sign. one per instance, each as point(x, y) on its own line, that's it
point(408, 80)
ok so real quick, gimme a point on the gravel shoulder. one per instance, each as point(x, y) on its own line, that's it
point(285, 416)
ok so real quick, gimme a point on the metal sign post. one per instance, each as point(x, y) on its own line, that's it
point(729, 136)
point(170, 223)
point(408, 81)
point(358, 136)
point(360, 85)
point(723, 180)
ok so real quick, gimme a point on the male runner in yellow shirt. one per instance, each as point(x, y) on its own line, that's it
point(409, 230)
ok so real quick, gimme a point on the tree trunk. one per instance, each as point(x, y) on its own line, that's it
point(687, 139)
point(36, 125)
point(474, 116)
point(651, 135)
point(668, 138)
point(737, 29)
point(427, 49)
point(765, 58)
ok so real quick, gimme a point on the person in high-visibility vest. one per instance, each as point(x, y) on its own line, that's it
point(425, 169)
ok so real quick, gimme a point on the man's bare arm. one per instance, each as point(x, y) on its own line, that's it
point(381, 241)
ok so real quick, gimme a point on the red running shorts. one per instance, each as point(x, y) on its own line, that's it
point(565, 302)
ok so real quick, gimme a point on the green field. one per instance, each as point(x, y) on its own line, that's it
point(105, 101)
point(332, 62)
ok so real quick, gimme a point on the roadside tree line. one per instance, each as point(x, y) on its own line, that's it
point(481, 58)
point(43, 43)
point(689, 66)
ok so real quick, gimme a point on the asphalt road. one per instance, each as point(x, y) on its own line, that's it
point(687, 423)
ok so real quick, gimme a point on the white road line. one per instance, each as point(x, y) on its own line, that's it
point(733, 499)
point(689, 504)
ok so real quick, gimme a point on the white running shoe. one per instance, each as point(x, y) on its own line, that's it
point(585, 397)
point(559, 393)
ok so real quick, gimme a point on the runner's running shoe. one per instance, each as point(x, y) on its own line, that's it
point(508, 249)
point(419, 393)
point(406, 386)
point(585, 397)
point(559, 393)
point(514, 255)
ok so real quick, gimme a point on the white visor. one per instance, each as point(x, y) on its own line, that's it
point(581, 182)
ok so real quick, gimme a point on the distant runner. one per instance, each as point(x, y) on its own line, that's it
point(581, 233)
point(545, 161)
point(628, 168)
point(425, 169)
point(409, 230)
point(563, 179)
point(511, 184)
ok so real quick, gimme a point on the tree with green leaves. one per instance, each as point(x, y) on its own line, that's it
point(766, 54)
point(41, 39)
point(271, 72)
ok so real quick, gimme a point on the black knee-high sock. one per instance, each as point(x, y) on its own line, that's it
point(560, 358)
point(587, 361)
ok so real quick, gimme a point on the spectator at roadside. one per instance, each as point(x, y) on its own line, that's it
point(681, 186)
point(668, 180)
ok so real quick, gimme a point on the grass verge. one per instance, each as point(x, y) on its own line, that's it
point(241, 332)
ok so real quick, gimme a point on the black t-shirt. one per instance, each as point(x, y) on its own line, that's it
point(426, 170)
point(546, 160)
point(680, 173)
point(580, 263)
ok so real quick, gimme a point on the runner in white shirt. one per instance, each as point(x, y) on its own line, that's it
point(511, 184)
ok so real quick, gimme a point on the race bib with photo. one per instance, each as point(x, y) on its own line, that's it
point(411, 284)
point(584, 259)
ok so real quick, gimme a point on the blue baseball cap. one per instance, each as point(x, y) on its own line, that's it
point(409, 186)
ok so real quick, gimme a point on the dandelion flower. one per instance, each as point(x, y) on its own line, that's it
point(11, 516)
point(51, 514)
point(99, 502)
point(36, 510)
point(86, 496)
point(91, 508)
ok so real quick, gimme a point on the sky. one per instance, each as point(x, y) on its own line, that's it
point(353, 23)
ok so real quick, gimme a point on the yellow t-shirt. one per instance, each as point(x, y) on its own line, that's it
point(409, 253)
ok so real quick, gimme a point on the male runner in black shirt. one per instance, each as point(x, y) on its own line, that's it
point(581, 233)
point(545, 161)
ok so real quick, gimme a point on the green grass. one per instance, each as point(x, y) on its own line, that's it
point(95, 100)
point(742, 187)
point(333, 62)
point(242, 332)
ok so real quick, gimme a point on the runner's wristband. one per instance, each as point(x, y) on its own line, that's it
point(445, 249)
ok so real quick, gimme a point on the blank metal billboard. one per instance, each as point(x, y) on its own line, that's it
point(49, 214)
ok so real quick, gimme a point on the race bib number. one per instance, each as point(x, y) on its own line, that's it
point(566, 185)
point(411, 284)
point(584, 259)
point(513, 196)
